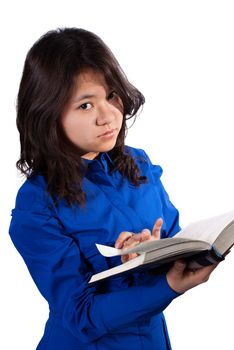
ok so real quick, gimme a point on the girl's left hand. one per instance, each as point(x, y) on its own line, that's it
point(129, 239)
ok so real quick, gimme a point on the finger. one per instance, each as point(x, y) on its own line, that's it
point(157, 228)
point(127, 257)
point(204, 272)
point(131, 242)
point(125, 235)
point(179, 267)
point(144, 235)
point(200, 275)
point(137, 238)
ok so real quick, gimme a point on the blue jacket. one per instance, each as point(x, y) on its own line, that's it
point(57, 244)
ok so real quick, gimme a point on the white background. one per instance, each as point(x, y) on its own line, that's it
point(180, 54)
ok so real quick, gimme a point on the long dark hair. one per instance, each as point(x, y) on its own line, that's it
point(51, 67)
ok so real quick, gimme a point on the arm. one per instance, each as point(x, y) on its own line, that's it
point(59, 271)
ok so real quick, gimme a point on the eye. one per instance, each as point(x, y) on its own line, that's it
point(85, 106)
point(116, 100)
point(112, 95)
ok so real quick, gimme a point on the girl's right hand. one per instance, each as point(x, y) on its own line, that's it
point(128, 240)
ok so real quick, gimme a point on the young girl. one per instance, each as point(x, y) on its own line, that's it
point(84, 186)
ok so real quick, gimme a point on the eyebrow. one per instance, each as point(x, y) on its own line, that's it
point(82, 97)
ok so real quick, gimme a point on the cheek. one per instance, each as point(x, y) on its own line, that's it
point(121, 119)
point(71, 126)
point(66, 122)
point(118, 116)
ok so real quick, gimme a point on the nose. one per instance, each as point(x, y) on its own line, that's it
point(105, 114)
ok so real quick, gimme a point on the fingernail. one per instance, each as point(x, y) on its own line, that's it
point(146, 230)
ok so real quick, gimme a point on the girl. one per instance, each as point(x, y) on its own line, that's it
point(84, 186)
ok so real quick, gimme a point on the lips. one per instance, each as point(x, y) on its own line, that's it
point(108, 133)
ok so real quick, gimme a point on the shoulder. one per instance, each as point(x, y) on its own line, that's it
point(32, 194)
point(143, 161)
point(135, 152)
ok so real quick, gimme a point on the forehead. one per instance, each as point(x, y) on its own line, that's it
point(90, 78)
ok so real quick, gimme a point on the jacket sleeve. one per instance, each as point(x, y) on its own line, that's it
point(60, 273)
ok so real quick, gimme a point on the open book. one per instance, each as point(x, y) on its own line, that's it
point(201, 243)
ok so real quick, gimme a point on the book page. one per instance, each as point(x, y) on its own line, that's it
point(207, 230)
point(131, 264)
point(149, 246)
point(140, 248)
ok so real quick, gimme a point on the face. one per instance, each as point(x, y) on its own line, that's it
point(94, 115)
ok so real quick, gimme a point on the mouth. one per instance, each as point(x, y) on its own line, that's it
point(108, 134)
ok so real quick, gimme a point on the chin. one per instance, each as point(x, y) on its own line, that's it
point(108, 147)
